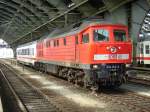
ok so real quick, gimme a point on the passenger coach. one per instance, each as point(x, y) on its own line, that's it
point(143, 53)
point(26, 53)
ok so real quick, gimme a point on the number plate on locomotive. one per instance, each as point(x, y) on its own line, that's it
point(111, 56)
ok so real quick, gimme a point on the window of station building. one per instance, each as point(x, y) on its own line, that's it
point(65, 41)
point(120, 35)
point(147, 49)
point(85, 38)
point(101, 35)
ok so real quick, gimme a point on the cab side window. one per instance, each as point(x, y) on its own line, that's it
point(101, 35)
point(85, 38)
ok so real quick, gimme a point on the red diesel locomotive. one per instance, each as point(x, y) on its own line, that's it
point(94, 54)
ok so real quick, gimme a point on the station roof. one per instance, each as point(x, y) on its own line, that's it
point(23, 21)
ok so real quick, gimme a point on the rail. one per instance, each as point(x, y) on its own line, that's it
point(28, 97)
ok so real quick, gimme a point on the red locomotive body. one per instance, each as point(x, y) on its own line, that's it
point(94, 53)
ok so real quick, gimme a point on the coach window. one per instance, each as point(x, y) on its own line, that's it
point(32, 51)
point(64, 41)
point(147, 48)
point(23, 52)
point(141, 48)
point(28, 51)
point(101, 35)
point(85, 38)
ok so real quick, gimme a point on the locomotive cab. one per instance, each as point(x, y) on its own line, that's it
point(111, 50)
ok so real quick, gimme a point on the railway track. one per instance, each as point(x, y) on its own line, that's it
point(139, 75)
point(131, 100)
point(139, 68)
point(28, 98)
point(137, 80)
point(122, 99)
point(34, 99)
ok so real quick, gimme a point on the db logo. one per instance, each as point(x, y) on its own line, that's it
point(113, 50)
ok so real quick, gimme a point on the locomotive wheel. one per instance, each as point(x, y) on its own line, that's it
point(60, 73)
point(86, 82)
point(70, 76)
point(69, 79)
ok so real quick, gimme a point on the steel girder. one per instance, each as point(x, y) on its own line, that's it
point(20, 18)
point(23, 16)
point(86, 9)
point(44, 7)
point(59, 4)
point(12, 7)
point(114, 4)
point(36, 31)
point(35, 17)
point(23, 13)
point(40, 14)
point(148, 1)
point(27, 8)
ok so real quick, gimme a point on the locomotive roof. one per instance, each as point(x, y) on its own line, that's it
point(67, 31)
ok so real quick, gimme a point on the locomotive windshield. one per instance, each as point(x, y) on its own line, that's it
point(101, 35)
point(119, 35)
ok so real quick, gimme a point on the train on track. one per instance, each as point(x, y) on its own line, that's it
point(93, 54)
point(143, 53)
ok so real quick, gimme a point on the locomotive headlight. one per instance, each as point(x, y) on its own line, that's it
point(95, 66)
point(107, 48)
point(113, 49)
